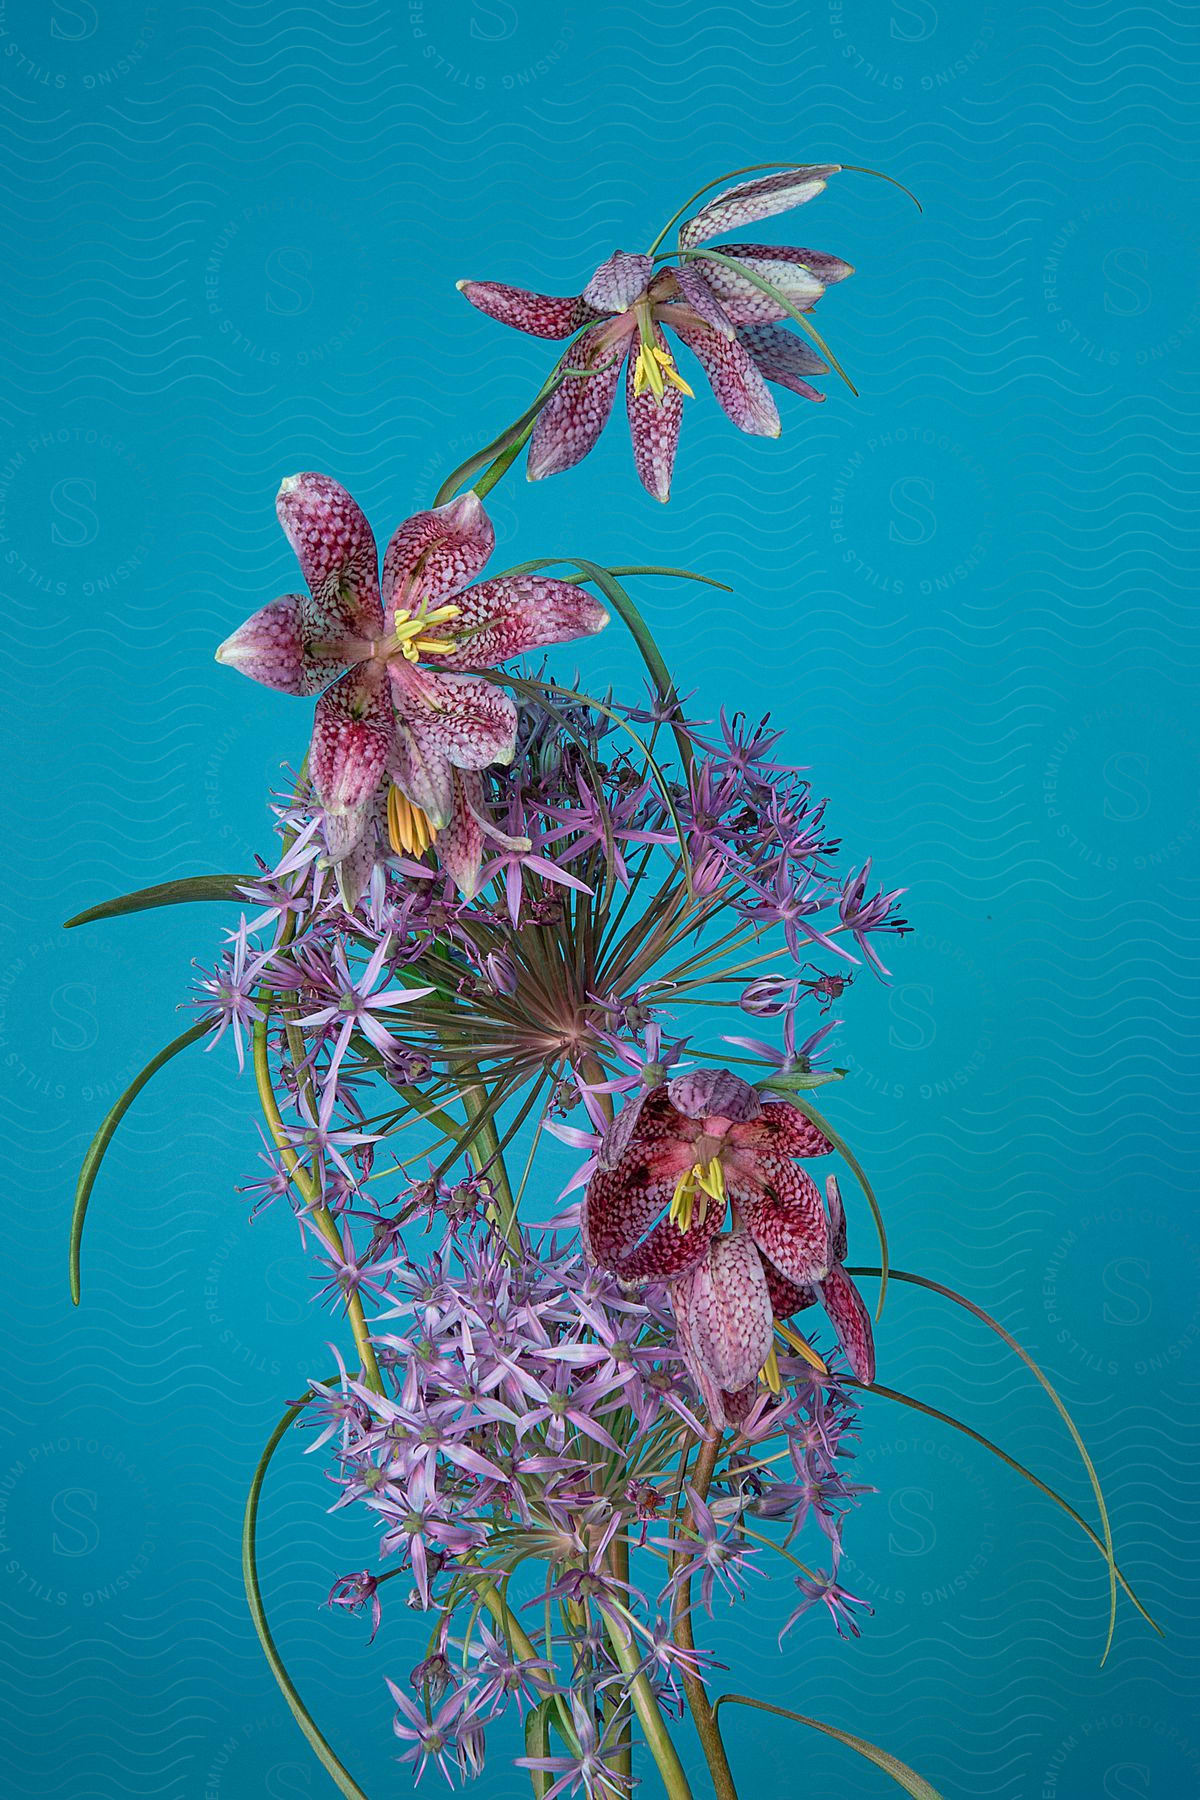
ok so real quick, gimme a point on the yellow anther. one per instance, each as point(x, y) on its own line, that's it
point(408, 633)
point(653, 366)
point(800, 1345)
point(693, 1191)
point(770, 1372)
point(410, 831)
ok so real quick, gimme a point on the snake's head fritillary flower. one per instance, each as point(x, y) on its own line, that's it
point(404, 708)
point(677, 1165)
point(724, 304)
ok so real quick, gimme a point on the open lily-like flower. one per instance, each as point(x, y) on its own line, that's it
point(679, 1163)
point(714, 304)
point(403, 709)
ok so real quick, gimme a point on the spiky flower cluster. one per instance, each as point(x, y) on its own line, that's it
point(522, 1403)
point(527, 1463)
point(509, 907)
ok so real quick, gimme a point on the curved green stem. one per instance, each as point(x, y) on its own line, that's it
point(103, 1138)
point(908, 1779)
point(704, 1715)
point(1006, 1337)
point(317, 1741)
point(977, 1437)
point(310, 1194)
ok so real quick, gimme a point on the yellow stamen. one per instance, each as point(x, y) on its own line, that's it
point(652, 365)
point(410, 831)
point(770, 1372)
point(693, 1191)
point(800, 1345)
point(410, 627)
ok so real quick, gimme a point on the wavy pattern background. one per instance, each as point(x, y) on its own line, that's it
point(232, 233)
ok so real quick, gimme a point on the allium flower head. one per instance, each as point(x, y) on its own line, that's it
point(723, 305)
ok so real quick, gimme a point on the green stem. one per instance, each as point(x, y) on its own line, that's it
point(703, 1714)
point(658, 1739)
point(318, 1743)
point(623, 1747)
point(310, 1194)
point(483, 1148)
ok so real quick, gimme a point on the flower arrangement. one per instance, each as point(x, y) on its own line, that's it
point(506, 907)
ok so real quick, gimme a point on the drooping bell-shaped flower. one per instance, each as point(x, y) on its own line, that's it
point(687, 1159)
point(718, 305)
point(403, 707)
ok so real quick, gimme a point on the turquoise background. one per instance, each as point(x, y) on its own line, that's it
point(232, 233)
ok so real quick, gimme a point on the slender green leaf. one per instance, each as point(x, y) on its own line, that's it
point(948, 1293)
point(104, 1137)
point(643, 637)
point(656, 569)
point(510, 439)
point(164, 893)
point(537, 1743)
point(933, 1412)
point(907, 1778)
point(318, 1743)
point(792, 1081)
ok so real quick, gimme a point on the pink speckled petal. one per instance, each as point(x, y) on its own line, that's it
point(335, 548)
point(352, 739)
point(665, 1252)
point(784, 358)
point(784, 1216)
point(761, 198)
point(728, 1307)
point(514, 614)
point(828, 269)
point(696, 293)
point(422, 771)
point(573, 418)
point(786, 1297)
point(648, 1114)
point(735, 380)
point(851, 1321)
point(434, 553)
point(354, 870)
point(746, 304)
point(838, 1245)
point(460, 846)
point(623, 1202)
point(270, 647)
point(780, 1130)
point(618, 282)
point(541, 315)
point(710, 1393)
point(654, 428)
point(714, 1093)
point(464, 717)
